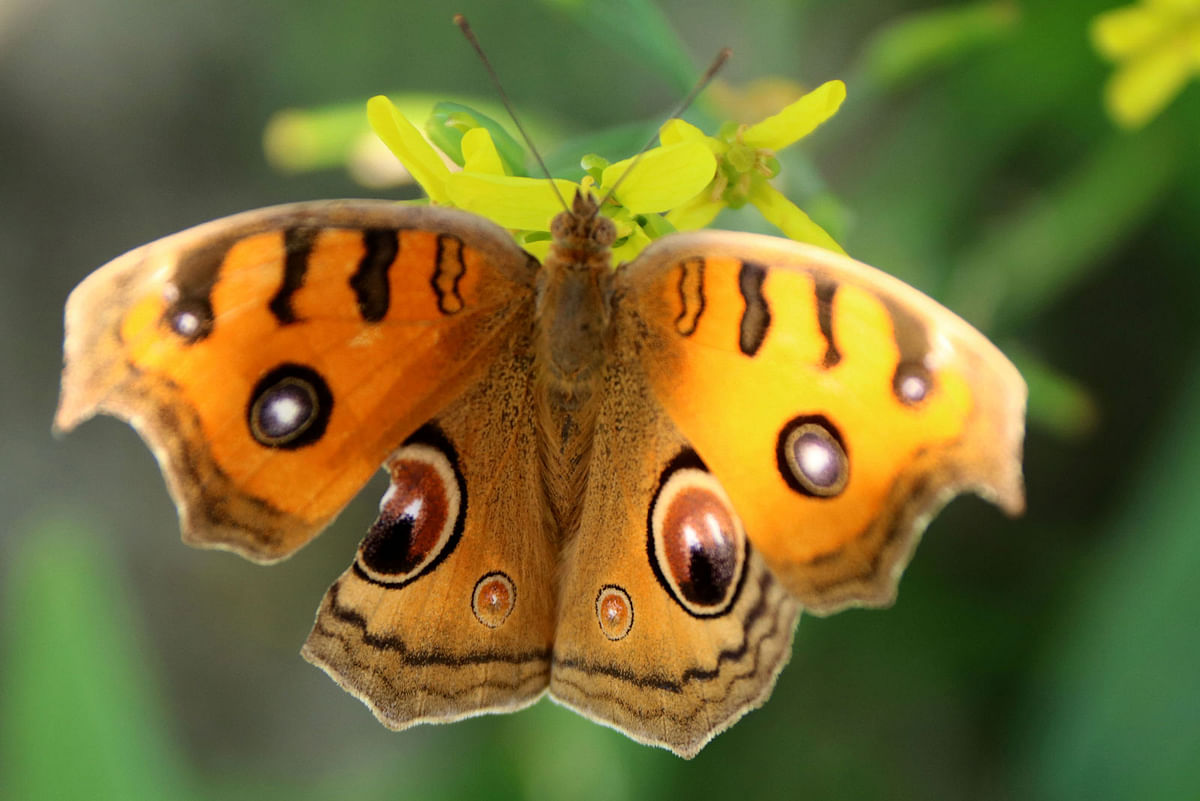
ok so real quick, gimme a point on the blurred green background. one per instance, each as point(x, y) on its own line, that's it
point(1053, 657)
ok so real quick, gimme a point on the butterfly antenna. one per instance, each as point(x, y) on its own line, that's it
point(704, 81)
point(465, 27)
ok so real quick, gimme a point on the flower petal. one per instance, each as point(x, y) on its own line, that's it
point(1145, 85)
point(663, 178)
point(406, 142)
point(1184, 7)
point(538, 248)
point(797, 120)
point(696, 213)
point(510, 201)
point(1120, 33)
point(480, 154)
point(449, 121)
point(631, 247)
point(675, 130)
point(788, 217)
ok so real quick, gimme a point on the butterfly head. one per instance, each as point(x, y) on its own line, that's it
point(582, 233)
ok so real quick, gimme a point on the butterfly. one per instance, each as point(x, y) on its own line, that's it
point(619, 486)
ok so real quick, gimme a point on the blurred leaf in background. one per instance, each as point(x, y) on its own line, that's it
point(1119, 712)
point(83, 715)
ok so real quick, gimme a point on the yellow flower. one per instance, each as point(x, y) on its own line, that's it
point(666, 176)
point(1156, 46)
point(679, 185)
point(746, 163)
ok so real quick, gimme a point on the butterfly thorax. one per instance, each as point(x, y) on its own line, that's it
point(573, 314)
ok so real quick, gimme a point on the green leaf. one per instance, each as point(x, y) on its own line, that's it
point(639, 27)
point(449, 121)
point(1118, 714)
point(1056, 402)
point(81, 715)
point(909, 48)
point(301, 139)
point(1054, 242)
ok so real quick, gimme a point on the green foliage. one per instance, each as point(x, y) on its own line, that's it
point(82, 713)
point(449, 121)
point(1121, 717)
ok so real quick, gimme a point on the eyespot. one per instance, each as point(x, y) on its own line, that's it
point(812, 457)
point(912, 382)
point(190, 319)
point(421, 515)
point(697, 546)
point(493, 599)
point(289, 407)
point(614, 611)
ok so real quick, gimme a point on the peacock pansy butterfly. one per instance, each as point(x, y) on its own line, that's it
point(618, 486)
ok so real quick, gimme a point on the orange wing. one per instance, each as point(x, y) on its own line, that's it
point(838, 407)
point(273, 359)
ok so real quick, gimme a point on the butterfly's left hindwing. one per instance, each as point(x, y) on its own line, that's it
point(448, 610)
point(274, 358)
point(837, 407)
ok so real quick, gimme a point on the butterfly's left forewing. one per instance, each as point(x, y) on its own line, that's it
point(274, 358)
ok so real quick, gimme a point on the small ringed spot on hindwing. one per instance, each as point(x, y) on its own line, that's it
point(289, 407)
point(695, 541)
point(493, 599)
point(370, 281)
point(825, 292)
point(297, 246)
point(614, 611)
point(448, 270)
point(421, 516)
point(691, 296)
point(756, 319)
point(811, 457)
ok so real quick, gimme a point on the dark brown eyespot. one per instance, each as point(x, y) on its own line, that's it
point(420, 517)
point(493, 599)
point(912, 382)
point(289, 407)
point(190, 319)
point(190, 315)
point(697, 545)
point(812, 458)
point(614, 611)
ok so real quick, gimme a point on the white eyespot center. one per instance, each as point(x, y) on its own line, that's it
point(913, 388)
point(284, 412)
point(186, 324)
point(816, 460)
